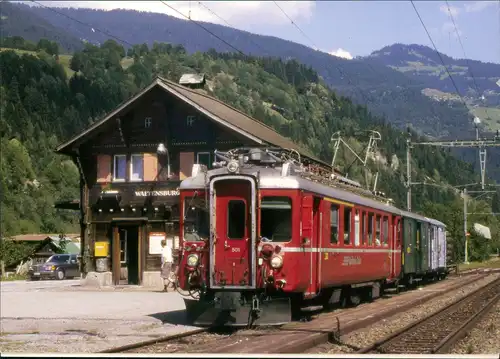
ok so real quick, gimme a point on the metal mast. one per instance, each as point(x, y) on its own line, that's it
point(371, 148)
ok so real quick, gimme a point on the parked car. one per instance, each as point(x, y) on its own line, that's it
point(58, 266)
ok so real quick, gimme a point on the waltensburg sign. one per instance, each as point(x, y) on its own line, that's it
point(160, 193)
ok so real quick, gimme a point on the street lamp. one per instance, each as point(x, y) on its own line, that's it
point(163, 150)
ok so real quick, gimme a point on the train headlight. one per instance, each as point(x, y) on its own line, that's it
point(232, 166)
point(192, 260)
point(276, 262)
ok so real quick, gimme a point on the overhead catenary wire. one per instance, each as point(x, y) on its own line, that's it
point(83, 23)
point(463, 50)
point(231, 26)
point(438, 53)
point(298, 28)
point(204, 28)
point(341, 72)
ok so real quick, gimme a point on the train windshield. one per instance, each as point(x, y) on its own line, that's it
point(276, 219)
point(196, 219)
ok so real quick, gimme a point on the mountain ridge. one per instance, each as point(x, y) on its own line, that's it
point(397, 94)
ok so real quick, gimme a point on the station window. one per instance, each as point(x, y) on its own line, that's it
point(236, 219)
point(334, 224)
point(347, 225)
point(119, 167)
point(276, 219)
point(203, 158)
point(370, 229)
point(385, 231)
point(377, 230)
point(137, 167)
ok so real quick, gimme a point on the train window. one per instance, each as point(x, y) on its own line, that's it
point(370, 229)
point(385, 231)
point(276, 219)
point(334, 224)
point(236, 219)
point(399, 233)
point(196, 219)
point(357, 236)
point(347, 225)
point(377, 230)
point(363, 228)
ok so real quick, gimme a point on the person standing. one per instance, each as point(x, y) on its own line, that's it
point(166, 263)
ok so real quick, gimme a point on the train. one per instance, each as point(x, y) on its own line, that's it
point(265, 236)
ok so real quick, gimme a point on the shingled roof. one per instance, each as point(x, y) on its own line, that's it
point(213, 108)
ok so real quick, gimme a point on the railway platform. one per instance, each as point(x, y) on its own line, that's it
point(57, 316)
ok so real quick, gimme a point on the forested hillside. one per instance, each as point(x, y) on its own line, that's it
point(41, 106)
point(388, 91)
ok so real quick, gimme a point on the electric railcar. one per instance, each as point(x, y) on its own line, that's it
point(264, 236)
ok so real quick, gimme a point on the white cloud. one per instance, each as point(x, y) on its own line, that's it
point(478, 6)
point(448, 28)
point(341, 53)
point(238, 13)
point(452, 9)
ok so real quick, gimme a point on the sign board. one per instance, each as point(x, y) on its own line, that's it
point(155, 239)
point(165, 193)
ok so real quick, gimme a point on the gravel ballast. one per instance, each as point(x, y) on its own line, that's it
point(371, 334)
point(484, 338)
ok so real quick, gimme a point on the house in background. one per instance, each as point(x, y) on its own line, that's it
point(45, 245)
point(131, 163)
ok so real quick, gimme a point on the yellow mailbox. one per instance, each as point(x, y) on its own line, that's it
point(101, 249)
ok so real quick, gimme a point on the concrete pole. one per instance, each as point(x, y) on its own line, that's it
point(408, 173)
point(466, 261)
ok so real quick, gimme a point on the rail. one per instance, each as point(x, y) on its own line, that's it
point(439, 331)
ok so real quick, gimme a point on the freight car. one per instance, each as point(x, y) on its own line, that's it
point(265, 235)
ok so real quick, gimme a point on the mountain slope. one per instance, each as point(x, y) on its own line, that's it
point(365, 82)
point(15, 21)
point(399, 97)
point(42, 106)
point(475, 80)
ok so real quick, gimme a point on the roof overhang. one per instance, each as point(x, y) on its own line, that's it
point(67, 147)
point(72, 205)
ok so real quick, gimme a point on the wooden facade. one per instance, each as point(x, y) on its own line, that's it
point(129, 189)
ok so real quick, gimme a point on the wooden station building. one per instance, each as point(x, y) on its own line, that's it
point(131, 163)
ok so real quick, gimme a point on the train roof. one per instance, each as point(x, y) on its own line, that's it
point(283, 177)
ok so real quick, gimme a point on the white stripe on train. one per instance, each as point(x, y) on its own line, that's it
point(337, 250)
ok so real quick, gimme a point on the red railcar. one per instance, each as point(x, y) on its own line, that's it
point(264, 235)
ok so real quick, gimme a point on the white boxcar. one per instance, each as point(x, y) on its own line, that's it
point(434, 248)
point(442, 247)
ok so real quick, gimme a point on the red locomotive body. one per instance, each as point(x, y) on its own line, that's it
point(263, 236)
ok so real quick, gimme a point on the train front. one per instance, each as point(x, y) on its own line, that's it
point(221, 267)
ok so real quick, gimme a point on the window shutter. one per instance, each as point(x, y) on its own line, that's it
point(150, 166)
point(186, 160)
point(103, 168)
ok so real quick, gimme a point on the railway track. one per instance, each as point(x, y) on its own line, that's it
point(302, 335)
point(167, 338)
point(438, 332)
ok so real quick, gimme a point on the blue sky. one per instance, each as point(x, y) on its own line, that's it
point(347, 28)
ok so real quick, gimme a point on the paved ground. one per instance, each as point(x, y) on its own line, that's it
point(58, 316)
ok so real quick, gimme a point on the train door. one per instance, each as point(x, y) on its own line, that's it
point(232, 262)
point(316, 245)
point(307, 244)
point(395, 247)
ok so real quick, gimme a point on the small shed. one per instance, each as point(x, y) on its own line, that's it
point(194, 81)
point(50, 244)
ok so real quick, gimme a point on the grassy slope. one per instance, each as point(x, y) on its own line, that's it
point(65, 59)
